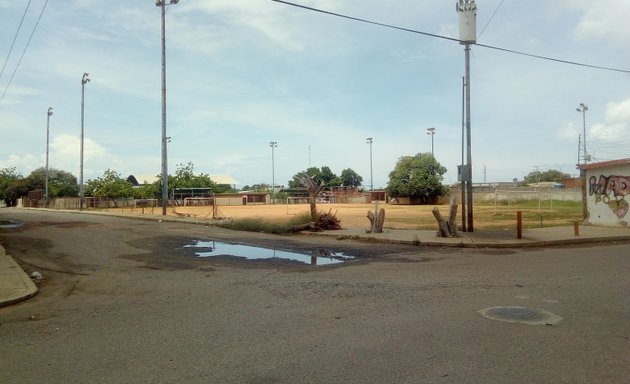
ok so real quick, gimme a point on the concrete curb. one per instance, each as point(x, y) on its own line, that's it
point(532, 238)
point(15, 285)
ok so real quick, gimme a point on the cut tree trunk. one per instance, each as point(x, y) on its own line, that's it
point(447, 228)
point(376, 220)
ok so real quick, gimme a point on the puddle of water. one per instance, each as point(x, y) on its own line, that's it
point(217, 248)
point(10, 224)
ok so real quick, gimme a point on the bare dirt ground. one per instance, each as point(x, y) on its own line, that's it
point(352, 216)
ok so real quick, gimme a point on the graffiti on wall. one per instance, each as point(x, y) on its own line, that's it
point(611, 190)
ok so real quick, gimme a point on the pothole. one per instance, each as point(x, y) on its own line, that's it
point(248, 252)
point(531, 316)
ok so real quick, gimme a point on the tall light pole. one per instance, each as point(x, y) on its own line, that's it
point(467, 10)
point(84, 80)
point(369, 141)
point(273, 144)
point(431, 131)
point(583, 108)
point(162, 5)
point(48, 114)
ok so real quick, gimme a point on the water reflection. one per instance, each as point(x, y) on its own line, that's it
point(218, 248)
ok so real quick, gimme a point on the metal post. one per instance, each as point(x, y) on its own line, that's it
point(431, 131)
point(463, 170)
point(162, 6)
point(583, 108)
point(273, 144)
point(369, 141)
point(469, 188)
point(84, 80)
point(48, 114)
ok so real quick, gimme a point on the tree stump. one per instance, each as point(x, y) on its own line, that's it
point(376, 220)
point(447, 228)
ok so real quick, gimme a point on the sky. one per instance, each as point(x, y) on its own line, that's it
point(243, 73)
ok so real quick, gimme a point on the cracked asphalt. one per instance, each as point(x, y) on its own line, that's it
point(123, 302)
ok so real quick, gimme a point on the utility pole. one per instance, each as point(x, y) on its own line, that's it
point(48, 114)
point(467, 10)
point(84, 80)
point(162, 5)
point(462, 168)
point(369, 141)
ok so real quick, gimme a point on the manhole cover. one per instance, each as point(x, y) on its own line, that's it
point(531, 316)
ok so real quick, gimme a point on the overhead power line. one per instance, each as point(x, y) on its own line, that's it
point(451, 38)
point(28, 42)
point(6, 60)
point(490, 20)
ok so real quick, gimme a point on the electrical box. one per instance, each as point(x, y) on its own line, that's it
point(463, 173)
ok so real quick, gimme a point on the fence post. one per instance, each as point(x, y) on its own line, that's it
point(519, 224)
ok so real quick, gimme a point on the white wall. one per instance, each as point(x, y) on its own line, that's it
point(608, 195)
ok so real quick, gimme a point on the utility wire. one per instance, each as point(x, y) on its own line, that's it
point(451, 38)
point(490, 20)
point(28, 42)
point(6, 60)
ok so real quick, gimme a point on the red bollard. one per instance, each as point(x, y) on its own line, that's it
point(576, 228)
point(519, 224)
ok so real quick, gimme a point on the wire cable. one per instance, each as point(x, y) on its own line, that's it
point(451, 38)
point(490, 20)
point(28, 42)
point(6, 60)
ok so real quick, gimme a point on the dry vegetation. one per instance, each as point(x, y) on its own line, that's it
point(397, 216)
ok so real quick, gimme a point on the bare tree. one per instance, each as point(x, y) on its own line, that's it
point(313, 188)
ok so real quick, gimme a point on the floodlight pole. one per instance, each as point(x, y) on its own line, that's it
point(431, 131)
point(48, 114)
point(162, 5)
point(84, 80)
point(583, 108)
point(273, 144)
point(369, 141)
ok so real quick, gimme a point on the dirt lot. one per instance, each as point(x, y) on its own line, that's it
point(355, 215)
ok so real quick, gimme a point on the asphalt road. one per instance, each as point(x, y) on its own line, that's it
point(124, 302)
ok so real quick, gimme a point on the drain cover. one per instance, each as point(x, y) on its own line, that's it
point(531, 316)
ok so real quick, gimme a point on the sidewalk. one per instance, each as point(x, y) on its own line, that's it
point(536, 237)
point(15, 285)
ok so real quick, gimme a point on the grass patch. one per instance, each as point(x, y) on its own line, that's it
point(260, 224)
point(552, 213)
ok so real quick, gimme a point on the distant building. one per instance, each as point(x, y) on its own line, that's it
point(605, 187)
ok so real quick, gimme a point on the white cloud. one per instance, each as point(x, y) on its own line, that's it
point(605, 19)
point(68, 147)
point(569, 133)
point(618, 112)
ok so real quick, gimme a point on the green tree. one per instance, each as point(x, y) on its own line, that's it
point(262, 187)
point(324, 175)
point(185, 178)
point(349, 178)
point(111, 186)
point(60, 183)
point(546, 176)
point(418, 176)
point(9, 179)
